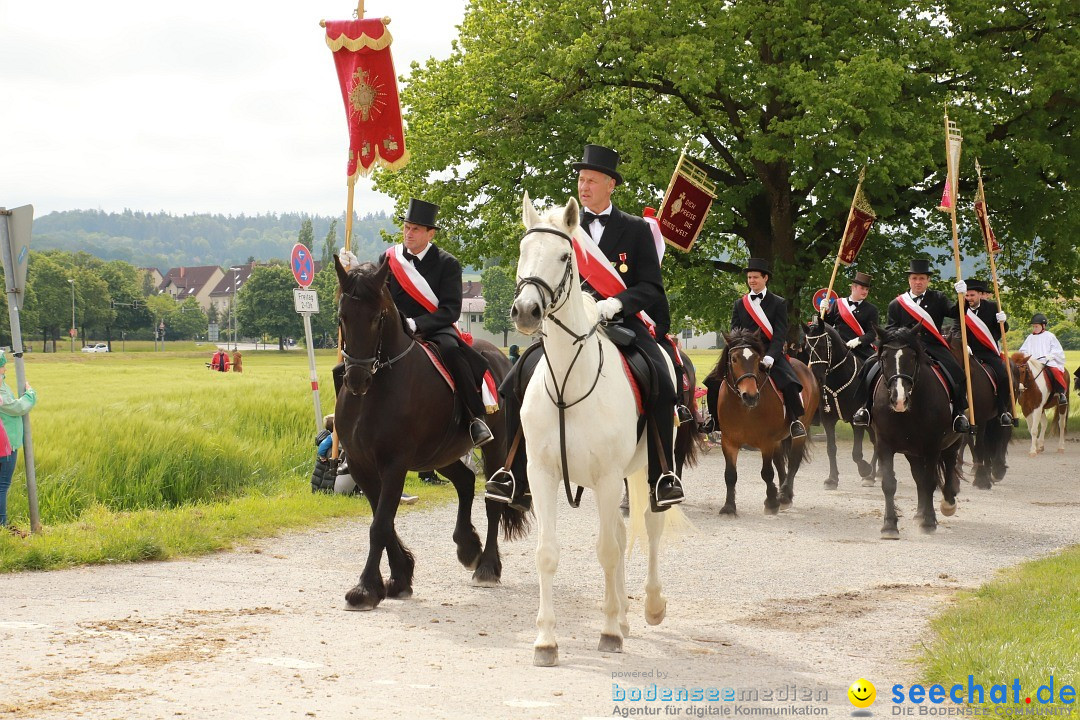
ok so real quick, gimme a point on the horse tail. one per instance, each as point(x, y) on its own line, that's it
point(515, 523)
point(676, 524)
point(686, 447)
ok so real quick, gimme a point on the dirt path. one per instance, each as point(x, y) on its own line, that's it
point(810, 598)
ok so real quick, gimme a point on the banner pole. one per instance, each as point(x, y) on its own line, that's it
point(961, 301)
point(847, 225)
point(997, 292)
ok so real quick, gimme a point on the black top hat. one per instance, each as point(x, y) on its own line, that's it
point(601, 159)
point(861, 278)
point(977, 285)
point(920, 266)
point(759, 264)
point(421, 213)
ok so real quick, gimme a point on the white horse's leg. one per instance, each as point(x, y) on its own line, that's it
point(543, 485)
point(1044, 425)
point(620, 576)
point(1033, 430)
point(655, 602)
point(610, 557)
point(1062, 418)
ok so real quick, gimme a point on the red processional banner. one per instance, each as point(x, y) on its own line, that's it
point(369, 88)
point(862, 219)
point(686, 203)
point(984, 221)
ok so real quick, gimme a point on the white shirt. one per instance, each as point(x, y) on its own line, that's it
point(1045, 345)
point(757, 301)
point(596, 229)
point(420, 255)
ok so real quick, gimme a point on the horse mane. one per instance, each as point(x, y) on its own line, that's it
point(900, 336)
point(363, 284)
point(736, 338)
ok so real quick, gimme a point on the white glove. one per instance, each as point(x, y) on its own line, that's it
point(767, 361)
point(853, 343)
point(961, 286)
point(1000, 317)
point(411, 323)
point(609, 308)
point(348, 260)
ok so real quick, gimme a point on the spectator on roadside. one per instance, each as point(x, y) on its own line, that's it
point(514, 354)
point(11, 438)
point(332, 476)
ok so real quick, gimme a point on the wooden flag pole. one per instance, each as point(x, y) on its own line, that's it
point(954, 188)
point(836, 265)
point(997, 294)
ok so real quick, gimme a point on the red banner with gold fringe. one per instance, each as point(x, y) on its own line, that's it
point(369, 89)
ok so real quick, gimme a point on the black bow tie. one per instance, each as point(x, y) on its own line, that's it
point(756, 296)
point(410, 257)
point(917, 298)
point(589, 217)
point(854, 304)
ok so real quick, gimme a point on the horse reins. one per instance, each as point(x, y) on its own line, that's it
point(561, 291)
point(727, 375)
point(373, 363)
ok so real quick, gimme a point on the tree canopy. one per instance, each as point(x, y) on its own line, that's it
point(782, 103)
point(265, 306)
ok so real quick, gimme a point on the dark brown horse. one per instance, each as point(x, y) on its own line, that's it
point(912, 415)
point(396, 413)
point(838, 371)
point(990, 444)
point(686, 435)
point(749, 411)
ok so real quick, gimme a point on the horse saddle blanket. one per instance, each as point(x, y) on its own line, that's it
point(990, 374)
point(488, 390)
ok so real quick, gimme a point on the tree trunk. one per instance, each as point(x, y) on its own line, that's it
point(505, 333)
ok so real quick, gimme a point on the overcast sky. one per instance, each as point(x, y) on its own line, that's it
point(226, 107)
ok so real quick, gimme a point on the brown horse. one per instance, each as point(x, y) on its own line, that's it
point(1035, 399)
point(749, 410)
point(990, 444)
point(396, 413)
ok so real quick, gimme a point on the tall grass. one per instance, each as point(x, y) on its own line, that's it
point(131, 432)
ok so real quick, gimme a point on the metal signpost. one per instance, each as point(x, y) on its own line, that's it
point(306, 302)
point(15, 238)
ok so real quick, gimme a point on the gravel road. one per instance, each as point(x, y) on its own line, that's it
point(803, 602)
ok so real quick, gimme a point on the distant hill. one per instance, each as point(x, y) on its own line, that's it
point(163, 240)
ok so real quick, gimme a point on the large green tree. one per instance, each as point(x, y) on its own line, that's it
point(782, 102)
point(498, 283)
point(265, 305)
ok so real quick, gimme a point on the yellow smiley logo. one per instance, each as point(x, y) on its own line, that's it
point(862, 693)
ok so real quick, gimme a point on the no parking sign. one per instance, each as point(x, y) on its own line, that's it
point(819, 298)
point(303, 267)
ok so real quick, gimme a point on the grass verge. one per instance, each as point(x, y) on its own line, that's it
point(1023, 625)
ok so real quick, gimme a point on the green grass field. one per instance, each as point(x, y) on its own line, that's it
point(150, 455)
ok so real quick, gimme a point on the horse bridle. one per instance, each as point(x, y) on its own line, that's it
point(815, 359)
point(372, 364)
point(891, 379)
point(734, 385)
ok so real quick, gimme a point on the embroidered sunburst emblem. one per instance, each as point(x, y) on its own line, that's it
point(676, 207)
point(366, 94)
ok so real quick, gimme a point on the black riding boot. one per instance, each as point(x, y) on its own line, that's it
point(871, 371)
point(512, 485)
point(794, 407)
point(665, 488)
point(458, 365)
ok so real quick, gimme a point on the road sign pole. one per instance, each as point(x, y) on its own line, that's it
point(311, 369)
point(13, 278)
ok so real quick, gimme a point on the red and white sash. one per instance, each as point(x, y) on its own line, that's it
point(596, 269)
point(414, 284)
point(978, 328)
point(848, 317)
point(921, 316)
point(757, 315)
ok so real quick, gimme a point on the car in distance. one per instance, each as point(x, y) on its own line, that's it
point(96, 348)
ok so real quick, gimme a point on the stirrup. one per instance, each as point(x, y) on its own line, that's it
point(861, 418)
point(1006, 419)
point(797, 429)
point(960, 424)
point(480, 433)
point(673, 498)
point(683, 414)
point(1063, 399)
point(501, 486)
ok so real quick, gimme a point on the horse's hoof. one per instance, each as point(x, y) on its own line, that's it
point(1061, 450)
point(728, 509)
point(890, 533)
point(625, 628)
point(948, 509)
point(655, 617)
point(982, 484)
point(486, 576)
point(1032, 454)
point(772, 507)
point(831, 484)
point(869, 481)
point(610, 643)
point(469, 553)
point(360, 599)
point(546, 656)
point(398, 589)
point(928, 529)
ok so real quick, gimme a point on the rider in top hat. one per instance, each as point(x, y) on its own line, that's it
point(983, 335)
point(442, 272)
point(1043, 345)
point(765, 311)
point(627, 242)
point(926, 308)
point(856, 328)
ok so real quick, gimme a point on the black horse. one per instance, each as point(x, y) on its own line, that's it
point(838, 371)
point(912, 415)
point(990, 444)
point(396, 413)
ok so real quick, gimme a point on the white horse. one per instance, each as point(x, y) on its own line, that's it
point(583, 369)
point(1035, 401)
